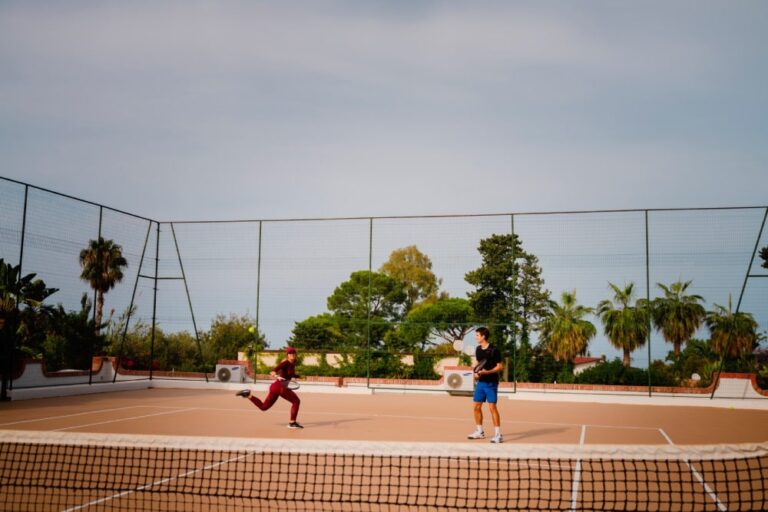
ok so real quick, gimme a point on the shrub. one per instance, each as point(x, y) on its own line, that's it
point(615, 373)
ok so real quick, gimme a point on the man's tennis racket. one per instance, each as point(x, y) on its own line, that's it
point(479, 366)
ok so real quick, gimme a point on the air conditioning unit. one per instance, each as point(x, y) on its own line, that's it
point(230, 373)
point(459, 380)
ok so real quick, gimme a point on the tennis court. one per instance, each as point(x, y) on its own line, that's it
point(184, 449)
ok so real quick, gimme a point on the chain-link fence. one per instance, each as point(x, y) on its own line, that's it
point(192, 281)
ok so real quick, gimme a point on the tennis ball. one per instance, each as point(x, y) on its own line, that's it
point(251, 329)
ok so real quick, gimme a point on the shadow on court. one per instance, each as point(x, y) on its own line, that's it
point(539, 432)
point(334, 423)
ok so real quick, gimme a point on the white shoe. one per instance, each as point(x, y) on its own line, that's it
point(477, 434)
point(497, 439)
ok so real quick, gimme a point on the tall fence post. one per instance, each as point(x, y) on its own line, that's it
point(258, 305)
point(96, 290)
point(513, 334)
point(368, 329)
point(648, 302)
point(9, 343)
point(154, 303)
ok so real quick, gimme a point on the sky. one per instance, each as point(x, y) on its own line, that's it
point(191, 110)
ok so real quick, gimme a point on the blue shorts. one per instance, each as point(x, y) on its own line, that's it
point(486, 392)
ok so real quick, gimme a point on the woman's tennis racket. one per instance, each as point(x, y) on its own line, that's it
point(290, 384)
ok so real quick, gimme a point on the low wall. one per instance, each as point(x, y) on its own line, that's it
point(33, 373)
point(104, 370)
point(333, 359)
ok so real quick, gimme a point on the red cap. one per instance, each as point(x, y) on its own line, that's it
point(290, 350)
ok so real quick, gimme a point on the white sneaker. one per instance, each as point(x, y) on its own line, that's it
point(477, 434)
point(497, 439)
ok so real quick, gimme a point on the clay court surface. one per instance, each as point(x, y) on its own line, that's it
point(433, 470)
point(383, 417)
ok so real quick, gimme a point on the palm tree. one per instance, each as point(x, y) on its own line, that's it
point(676, 314)
point(564, 331)
point(102, 262)
point(740, 328)
point(16, 292)
point(626, 325)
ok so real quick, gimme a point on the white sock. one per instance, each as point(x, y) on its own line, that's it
point(498, 431)
point(479, 428)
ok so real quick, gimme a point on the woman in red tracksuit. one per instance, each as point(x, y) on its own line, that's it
point(282, 373)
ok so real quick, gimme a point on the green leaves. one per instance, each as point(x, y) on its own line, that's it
point(509, 291)
point(732, 334)
point(449, 319)
point(383, 295)
point(626, 324)
point(320, 332)
point(16, 291)
point(102, 262)
point(564, 330)
point(413, 270)
point(366, 306)
point(764, 256)
point(677, 315)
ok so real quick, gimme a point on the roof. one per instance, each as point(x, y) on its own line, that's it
point(585, 360)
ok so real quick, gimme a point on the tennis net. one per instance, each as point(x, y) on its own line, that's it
point(42, 471)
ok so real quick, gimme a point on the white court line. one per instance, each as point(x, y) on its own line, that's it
point(70, 415)
point(720, 505)
point(158, 482)
point(577, 472)
point(394, 416)
point(441, 418)
point(124, 419)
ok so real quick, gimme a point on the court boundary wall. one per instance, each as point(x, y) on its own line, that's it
point(34, 381)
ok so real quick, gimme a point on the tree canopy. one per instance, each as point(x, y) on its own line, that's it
point(319, 332)
point(229, 335)
point(677, 314)
point(367, 294)
point(509, 292)
point(448, 319)
point(20, 299)
point(564, 331)
point(102, 262)
point(733, 334)
point(625, 321)
point(413, 270)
